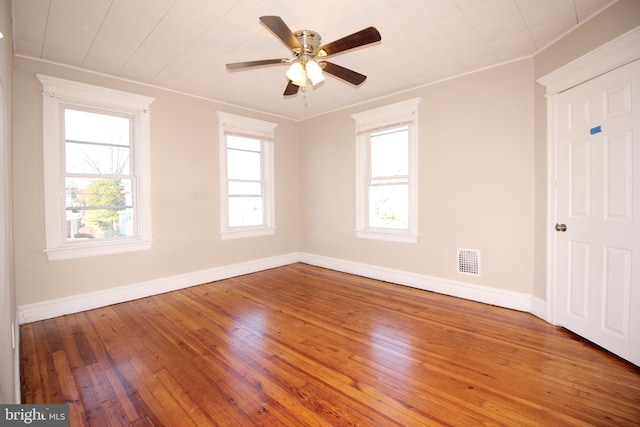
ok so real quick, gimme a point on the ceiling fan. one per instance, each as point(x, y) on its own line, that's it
point(306, 48)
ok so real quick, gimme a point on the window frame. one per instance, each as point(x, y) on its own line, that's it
point(373, 121)
point(57, 95)
point(231, 124)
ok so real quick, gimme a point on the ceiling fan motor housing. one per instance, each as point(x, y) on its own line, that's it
point(310, 41)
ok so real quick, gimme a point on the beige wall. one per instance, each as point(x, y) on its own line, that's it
point(482, 186)
point(476, 181)
point(184, 174)
point(541, 172)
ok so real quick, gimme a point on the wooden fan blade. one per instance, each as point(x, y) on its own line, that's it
point(291, 89)
point(249, 64)
point(361, 38)
point(343, 73)
point(280, 29)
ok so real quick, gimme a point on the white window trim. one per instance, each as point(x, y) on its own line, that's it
point(266, 132)
point(56, 94)
point(366, 121)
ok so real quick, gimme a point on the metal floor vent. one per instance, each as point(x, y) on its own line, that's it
point(469, 261)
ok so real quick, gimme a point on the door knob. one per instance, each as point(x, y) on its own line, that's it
point(561, 227)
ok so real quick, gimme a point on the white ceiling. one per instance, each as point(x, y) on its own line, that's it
point(184, 44)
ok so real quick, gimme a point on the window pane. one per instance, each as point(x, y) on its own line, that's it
point(243, 164)
point(390, 153)
point(388, 204)
point(96, 159)
point(98, 208)
point(245, 188)
point(96, 128)
point(243, 143)
point(96, 143)
point(245, 211)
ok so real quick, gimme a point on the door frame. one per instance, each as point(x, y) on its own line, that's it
point(614, 54)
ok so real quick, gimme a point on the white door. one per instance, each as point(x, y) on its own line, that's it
point(598, 201)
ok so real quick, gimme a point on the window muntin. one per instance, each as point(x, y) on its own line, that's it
point(98, 176)
point(96, 170)
point(387, 172)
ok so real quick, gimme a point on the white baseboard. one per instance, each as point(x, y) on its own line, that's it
point(485, 294)
point(60, 306)
point(539, 308)
point(499, 297)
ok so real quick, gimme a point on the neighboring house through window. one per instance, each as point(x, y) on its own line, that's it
point(96, 170)
point(246, 176)
point(387, 172)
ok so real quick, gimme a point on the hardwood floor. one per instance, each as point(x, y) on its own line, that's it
point(305, 346)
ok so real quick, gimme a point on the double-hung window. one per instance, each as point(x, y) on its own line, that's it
point(96, 169)
point(246, 176)
point(387, 172)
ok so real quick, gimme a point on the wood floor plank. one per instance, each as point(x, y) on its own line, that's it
point(69, 389)
point(29, 366)
point(166, 337)
point(282, 375)
point(335, 349)
point(507, 363)
point(256, 384)
point(305, 346)
point(104, 321)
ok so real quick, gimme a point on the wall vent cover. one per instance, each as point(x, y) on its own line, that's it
point(469, 261)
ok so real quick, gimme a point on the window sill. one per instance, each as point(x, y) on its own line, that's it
point(244, 233)
point(391, 236)
point(86, 250)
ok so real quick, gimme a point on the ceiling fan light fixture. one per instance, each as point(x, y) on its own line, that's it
point(297, 74)
point(314, 72)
